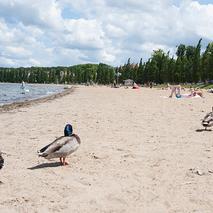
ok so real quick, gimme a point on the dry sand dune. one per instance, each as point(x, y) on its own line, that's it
point(140, 152)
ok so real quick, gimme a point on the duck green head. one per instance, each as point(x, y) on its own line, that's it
point(68, 130)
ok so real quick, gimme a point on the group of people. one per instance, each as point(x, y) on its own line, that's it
point(127, 83)
point(176, 90)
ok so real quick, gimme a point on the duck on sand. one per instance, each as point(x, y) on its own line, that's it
point(62, 146)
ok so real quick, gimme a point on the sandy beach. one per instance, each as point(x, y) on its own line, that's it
point(140, 152)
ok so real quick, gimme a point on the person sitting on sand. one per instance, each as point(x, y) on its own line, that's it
point(135, 86)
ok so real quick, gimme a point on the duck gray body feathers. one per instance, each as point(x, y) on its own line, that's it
point(208, 120)
point(61, 147)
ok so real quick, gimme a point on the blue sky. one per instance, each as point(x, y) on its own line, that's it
point(70, 13)
point(64, 32)
point(205, 1)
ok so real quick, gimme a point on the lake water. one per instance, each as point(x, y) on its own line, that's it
point(12, 92)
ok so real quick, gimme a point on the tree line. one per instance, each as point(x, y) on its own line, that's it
point(188, 66)
point(84, 73)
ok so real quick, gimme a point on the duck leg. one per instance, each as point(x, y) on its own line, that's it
point(61, 161)
point(64, 162)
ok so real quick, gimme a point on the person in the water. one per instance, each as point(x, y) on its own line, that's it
point(22, 85)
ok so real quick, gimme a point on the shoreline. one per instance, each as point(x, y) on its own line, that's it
point(26, 103)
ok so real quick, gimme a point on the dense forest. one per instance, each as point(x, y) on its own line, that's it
point(190, 65)
point(84, 73)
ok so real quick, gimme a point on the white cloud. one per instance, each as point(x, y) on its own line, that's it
point(20, 51)
point(41, 13)
point(199, 19)
point(36, 32)
point(83, 34)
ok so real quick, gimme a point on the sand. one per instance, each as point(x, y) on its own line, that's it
point(140, 152)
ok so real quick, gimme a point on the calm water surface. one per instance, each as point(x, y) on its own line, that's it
point(12, 92)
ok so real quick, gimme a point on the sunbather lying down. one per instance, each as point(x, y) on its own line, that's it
point(176, 89)
point(197, 92)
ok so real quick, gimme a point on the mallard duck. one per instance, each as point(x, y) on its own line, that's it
point(62, 146)
point(1, 160)
point(208, 120)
